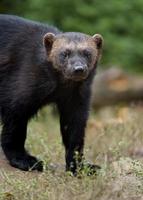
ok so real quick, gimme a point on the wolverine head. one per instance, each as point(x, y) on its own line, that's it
point(73, 54)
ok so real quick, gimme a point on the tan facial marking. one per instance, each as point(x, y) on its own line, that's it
point(63, 43)
point(60, 43)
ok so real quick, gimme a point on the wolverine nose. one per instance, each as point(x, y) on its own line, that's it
point(78, 69)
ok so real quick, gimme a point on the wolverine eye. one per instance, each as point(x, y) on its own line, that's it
point(87, 54)
point(65, 53)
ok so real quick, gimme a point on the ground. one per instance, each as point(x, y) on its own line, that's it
point(114, 140)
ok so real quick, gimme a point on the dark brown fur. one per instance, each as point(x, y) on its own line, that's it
point(33, 74)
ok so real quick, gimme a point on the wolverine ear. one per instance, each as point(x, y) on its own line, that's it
point(48, 40)
point(98, 40)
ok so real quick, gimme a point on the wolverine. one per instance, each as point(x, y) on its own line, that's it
point(39, 65)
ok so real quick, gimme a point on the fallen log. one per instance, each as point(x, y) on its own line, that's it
point(114, 86)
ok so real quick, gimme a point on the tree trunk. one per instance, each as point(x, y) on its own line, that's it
point(114, 86)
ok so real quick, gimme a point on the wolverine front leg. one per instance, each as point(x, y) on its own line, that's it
point(73, 120)
point(73, 131)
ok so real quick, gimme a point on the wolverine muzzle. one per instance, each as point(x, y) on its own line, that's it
point(80, 70)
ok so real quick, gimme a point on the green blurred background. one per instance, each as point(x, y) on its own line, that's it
point(119, 21)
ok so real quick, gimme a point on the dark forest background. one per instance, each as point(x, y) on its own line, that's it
point(120, 23)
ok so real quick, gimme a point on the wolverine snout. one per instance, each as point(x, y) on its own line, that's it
point(79, 69)
point(77, 72)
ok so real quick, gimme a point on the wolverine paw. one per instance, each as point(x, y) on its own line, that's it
point(90, 169)
point(27, 163)
point(85, 168)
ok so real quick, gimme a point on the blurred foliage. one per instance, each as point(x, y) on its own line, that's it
point(120, 23)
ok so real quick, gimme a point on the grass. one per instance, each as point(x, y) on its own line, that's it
point(114, 141)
